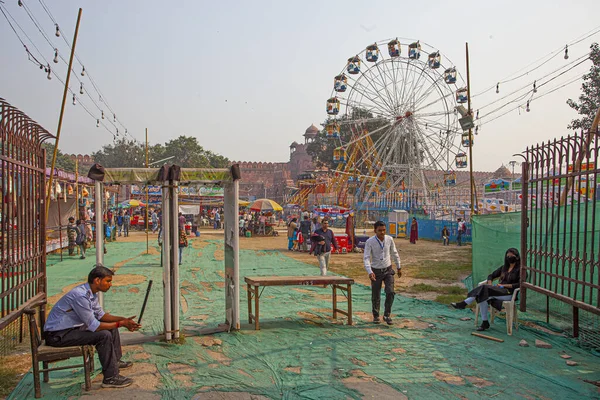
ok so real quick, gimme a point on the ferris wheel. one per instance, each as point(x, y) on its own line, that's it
point(403, 103)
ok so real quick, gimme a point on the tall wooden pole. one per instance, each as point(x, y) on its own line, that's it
point(147, 197)
point(470, 112)
point(62, 113)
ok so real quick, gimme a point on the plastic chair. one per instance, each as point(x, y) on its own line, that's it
point(508, 306)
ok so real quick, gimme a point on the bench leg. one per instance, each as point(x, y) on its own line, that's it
point(334, 287)
point(256, 309)
point(86, 368)
point(46, 375)
point(349, 292)
point(249, 294)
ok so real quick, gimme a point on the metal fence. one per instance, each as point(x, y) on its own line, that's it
point(560, 240)
point(22, 213)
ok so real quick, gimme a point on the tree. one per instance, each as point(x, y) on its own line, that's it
point(589, 100)
point(121, 153)
point(184, 151)
point(63, 161)
point(321, 149)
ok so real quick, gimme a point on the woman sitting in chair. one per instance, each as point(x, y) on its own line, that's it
point(510, 279)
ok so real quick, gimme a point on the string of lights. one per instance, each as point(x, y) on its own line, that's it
point(46, 64)
point(542, 61)
point(533, 87)
point(102, 119)
point(85, 72)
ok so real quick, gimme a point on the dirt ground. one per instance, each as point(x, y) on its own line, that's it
point(412, 258)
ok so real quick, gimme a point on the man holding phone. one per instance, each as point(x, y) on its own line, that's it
point(78, 319)
point(379, 251)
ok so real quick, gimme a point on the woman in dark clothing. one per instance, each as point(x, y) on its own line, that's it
point(509, 276)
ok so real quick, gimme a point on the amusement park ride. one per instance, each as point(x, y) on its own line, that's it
point(394, 118)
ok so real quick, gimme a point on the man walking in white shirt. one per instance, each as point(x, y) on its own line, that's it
point(379, 251)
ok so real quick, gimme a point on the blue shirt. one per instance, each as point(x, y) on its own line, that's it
point(77, 309)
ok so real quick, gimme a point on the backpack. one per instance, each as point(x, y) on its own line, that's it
point(80, 238)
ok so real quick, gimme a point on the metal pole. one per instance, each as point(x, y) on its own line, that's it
point(77, 188)
point(62, 113)
point(166, 257)
point(175, 240)
point(469, 112)
point(98, 199)
point(147, 198)
point(60, 226)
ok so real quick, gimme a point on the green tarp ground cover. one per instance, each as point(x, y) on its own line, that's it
point(301, 353)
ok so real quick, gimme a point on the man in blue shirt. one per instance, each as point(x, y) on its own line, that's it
point(77, 319)
point(379, 251)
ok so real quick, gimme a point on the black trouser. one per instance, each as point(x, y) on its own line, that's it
point(107, 343)
point(385, 275)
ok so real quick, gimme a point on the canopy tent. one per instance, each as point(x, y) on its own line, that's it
point(265, 205)
point(170, 178)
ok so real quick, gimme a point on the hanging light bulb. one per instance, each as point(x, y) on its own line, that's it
point(81, 88)
point(20, 3)
point(477, 115)
point(74, 101)
point(534, 87)
point(527, 108)
point(97, 123)
point(117, 132)
point(126, 131)
point(566, 52)
point(49, 72)
point(82, 70)
point(114, 117)
point(55, 56)
point(57, 31)
point(477, 130)
point(102, 114)
point(498, 87)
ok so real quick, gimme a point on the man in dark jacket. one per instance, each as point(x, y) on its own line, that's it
point(305, 230)
point(329, 242)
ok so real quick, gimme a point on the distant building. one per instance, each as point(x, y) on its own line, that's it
point(266, 179)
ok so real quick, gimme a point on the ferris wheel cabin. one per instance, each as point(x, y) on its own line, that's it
point(434, 60)
point(414, 51)
point(353, 65)
point(466, 139)
point(372, 53)
point(461, 160)
point(333, 106)
point(394, 48)
point(340, 83)
point(333, 130)
point(461, 95)
point(339, 155)
point(450, 75)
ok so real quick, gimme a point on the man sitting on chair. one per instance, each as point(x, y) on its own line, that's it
point(77, 319)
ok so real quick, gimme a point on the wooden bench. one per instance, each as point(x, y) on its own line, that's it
point(337, 282)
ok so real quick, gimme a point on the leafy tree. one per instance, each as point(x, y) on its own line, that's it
point(63, 161)
point(589, 100)
point(321, 149)
point(185, 152)
point(121, 153)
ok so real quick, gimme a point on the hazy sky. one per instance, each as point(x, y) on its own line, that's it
point(248, 77)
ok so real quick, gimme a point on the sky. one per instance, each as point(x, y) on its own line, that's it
point(248, 77)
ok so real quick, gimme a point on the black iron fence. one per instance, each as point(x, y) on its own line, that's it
point(560, 239)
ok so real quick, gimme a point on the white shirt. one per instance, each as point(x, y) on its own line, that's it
point(378, 255)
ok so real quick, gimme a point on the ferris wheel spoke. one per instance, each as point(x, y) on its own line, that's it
point(371, 96)
point(413, 88)
point(383, 75)
point(428, 93)
point(371, 83)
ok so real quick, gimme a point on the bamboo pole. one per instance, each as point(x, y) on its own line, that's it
point(147, 197)
point(62, 113)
